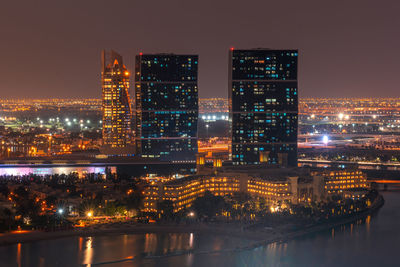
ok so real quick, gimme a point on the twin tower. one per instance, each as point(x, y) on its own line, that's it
point(263, 105)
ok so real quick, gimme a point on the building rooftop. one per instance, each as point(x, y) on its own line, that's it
point(261, 172)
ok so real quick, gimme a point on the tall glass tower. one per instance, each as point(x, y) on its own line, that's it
point(117, 114)
point(263, 104)
point(166, 106)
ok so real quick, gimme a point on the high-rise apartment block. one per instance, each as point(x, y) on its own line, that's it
point(263, 100)
point(166, 106)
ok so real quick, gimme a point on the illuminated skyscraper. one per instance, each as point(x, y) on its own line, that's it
point(263, 106)
point(166, 106)
point(117, 114)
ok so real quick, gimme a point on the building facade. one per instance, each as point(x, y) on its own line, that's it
point(166, 100)
point(263, 105)
point(276, 186)
point(339, 181)
point(116, 103)
point(182, 192)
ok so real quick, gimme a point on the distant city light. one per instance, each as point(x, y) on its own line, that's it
point(214, 117)
point(325, 139)
point(340, 116)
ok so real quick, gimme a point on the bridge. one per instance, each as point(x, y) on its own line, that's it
point(378, 181)
point(358, 164)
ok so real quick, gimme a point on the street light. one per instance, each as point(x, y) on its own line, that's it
point(89, 214)
point(60, 211)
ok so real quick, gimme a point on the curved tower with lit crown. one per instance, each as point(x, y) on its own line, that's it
point(117, 113)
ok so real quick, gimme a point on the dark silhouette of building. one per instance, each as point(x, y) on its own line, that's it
point(166, 106)
point(263, 104)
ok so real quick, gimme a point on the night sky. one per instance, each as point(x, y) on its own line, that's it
point(52, 48)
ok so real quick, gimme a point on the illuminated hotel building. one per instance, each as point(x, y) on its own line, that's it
point(182, 192)
point(166, 106)
point(338, 181)
point(263, 105)
point(275, 185)
point(116, 104)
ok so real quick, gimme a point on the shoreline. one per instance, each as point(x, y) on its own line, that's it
point(259, 238)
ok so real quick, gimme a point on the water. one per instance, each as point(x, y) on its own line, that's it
point(370, 243)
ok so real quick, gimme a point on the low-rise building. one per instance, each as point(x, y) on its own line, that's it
point(275, 185)
point(337, 181)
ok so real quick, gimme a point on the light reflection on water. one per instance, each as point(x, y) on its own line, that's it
point(19, 254)
point(368, 242)
point(88, 253)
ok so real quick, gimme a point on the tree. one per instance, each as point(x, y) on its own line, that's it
point(208, 205)
point(134, 200)
point(166, 208)
point(27, 207)
point(21, 192)
point(51, 200)
point(6, 217)
point(114, 209)
point(4, 190)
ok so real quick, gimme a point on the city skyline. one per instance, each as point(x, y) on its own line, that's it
point(50, 38)
point(199, 133)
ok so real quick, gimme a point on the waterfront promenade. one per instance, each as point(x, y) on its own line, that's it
point(259, 236)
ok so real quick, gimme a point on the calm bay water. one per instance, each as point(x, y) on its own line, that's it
point(371, 243)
